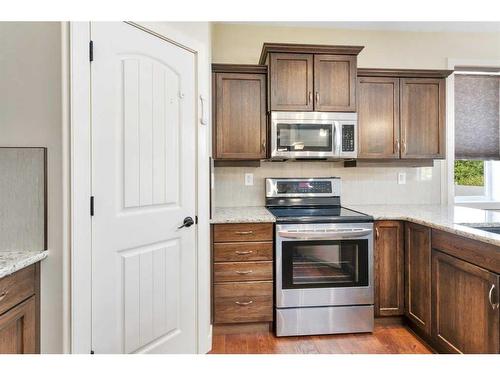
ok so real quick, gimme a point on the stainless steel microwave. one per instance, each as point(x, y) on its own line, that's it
point(314, 135)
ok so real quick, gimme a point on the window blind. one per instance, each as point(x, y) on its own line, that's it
point(477, 126)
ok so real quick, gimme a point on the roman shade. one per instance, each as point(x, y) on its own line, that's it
point(477, 106)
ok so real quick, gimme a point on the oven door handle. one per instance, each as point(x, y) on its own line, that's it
point(324, 235)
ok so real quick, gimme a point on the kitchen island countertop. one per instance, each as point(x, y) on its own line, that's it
point(14, 260)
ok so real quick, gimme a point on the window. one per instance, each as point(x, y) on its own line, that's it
point(471, 180)
point(477, 136)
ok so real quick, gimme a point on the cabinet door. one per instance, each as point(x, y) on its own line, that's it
point(418, 276)
point(389, 268)
point(335, 83)
point(291, 77)
point(465, 318)
point(240, 125)
point(378, 118)
point(18, 329)
point(422, 118)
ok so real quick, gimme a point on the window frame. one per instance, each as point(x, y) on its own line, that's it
point(488, 188)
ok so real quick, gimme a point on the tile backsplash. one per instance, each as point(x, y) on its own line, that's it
point(362, 185)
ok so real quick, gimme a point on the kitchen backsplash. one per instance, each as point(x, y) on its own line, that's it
point(22, 198)
point(362, 185)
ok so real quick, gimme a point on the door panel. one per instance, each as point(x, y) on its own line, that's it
point(422, 118)
point(464, 321)
point(240, 127)
point(378, 117)
point(418, 276)
point(335, 83)
point(143, 145)
point(291, 77)
point(389, 268)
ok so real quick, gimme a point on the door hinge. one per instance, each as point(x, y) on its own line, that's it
point(91, 50)
point(196, 219)
point(92, 206)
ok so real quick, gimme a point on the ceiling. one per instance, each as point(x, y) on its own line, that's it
point(389, 26)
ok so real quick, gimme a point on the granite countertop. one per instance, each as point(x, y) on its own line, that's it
point(225, 215)
point(15, 260)
point(447, 218)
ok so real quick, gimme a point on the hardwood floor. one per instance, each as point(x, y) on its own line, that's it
point(387, 338)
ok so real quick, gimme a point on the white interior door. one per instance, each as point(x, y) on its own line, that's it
point(143, 180)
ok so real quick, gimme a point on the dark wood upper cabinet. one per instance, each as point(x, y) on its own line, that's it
point(378, 118)
point(465, 318)
point(335, 83)
point(389, 268)
point(418, 276)
point(401, 113)
point(422, 118)
point(291, 82)
point(239, 108)
point(311, 77)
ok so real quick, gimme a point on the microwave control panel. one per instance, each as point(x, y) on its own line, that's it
point(348, 138)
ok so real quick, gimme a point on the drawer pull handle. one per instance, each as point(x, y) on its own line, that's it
point(244, 252)
point(244, 233)
point(244, 303)
point(244, 272)
point(494, 306)
point(3, 295)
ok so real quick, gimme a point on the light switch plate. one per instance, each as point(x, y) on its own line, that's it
point(248, 179)
point(401, 178)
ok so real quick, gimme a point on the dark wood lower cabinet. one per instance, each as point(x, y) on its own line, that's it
point(418, 276)
point(242, 274)
point(465, 316)
point(20, 311)
point(389, 268)
point(18, 329)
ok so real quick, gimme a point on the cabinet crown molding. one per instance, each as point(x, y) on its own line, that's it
point(307, 48)
point(404, 73)
point(239, 68)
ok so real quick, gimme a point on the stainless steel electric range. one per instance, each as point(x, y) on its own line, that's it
point(324, 259)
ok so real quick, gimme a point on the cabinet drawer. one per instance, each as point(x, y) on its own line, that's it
point(16, 288)
point(243, 271)
point(243, 251)
point(243, 302)
point(243, 232)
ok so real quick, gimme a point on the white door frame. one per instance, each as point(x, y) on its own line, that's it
point(447, 172)
point(80, 164)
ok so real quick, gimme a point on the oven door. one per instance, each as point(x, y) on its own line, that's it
point(324, 264)
point(303, 139)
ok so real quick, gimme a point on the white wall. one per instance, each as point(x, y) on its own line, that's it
point(242, 44)
point(30, 115)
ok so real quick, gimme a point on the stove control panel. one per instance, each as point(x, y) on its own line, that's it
point(306, 187)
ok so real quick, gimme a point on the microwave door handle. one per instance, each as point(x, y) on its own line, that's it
point(337, 135)
point(325, 235)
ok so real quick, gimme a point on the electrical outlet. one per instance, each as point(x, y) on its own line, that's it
point(248, 179)
point(401, 178)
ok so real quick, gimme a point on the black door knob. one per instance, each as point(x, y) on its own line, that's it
point(188, 221)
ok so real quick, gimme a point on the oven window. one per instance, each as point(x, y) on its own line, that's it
point(304, 137)
point(325, 264)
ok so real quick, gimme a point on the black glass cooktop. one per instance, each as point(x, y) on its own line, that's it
point(325, 214)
